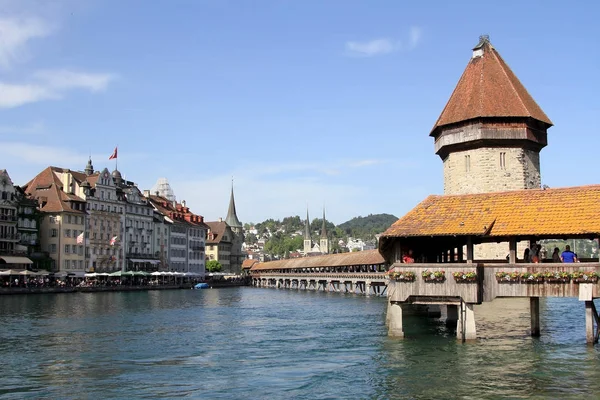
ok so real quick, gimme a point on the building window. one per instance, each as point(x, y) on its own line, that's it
point(467, 163)
point(52, 248)
point(67, 248)
point(502, 160)
point(67, 233)
point(53, 232)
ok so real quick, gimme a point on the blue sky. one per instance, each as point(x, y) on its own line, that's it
point(319, 103)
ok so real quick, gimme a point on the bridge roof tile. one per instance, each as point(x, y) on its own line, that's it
point(533, 212)
point(367, 257)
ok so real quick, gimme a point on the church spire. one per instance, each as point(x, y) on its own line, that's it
point(324, 240)
point(307, 238)
point(323, 228)
point(307, 227)
point(232, 219)
point(89, 168)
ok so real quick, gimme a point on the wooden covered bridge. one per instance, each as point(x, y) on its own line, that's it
point(441, 232)
point(362, 272)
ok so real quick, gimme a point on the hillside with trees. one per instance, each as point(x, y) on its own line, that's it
point(367, 227)
point(287, 236)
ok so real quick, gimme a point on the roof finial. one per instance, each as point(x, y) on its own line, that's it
point(478, 50)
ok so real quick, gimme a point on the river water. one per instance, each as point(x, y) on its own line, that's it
point(252, 343)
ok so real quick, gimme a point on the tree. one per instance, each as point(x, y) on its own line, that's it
point(213, 266)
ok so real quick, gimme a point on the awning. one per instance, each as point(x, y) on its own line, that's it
point(16, 260)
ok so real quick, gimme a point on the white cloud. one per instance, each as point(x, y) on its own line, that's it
point(372, 48)
point(14, 35)
point(34, 128)
point(62, 79)
point(382, 46)
point(17, 95)
point(51, 85)
point(34, 154)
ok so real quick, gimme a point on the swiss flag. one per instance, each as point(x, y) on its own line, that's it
point(113, 155)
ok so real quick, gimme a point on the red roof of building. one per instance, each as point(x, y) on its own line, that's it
point(561, 212)
point(489, 88)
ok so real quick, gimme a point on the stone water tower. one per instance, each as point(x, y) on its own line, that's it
point(491, 131)
point(490, 134)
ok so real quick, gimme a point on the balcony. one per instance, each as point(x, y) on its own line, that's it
point(14, 237)
point(28, 242)
point(8, 218)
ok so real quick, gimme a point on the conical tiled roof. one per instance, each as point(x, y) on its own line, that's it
point(232, 219)
point(488, 88)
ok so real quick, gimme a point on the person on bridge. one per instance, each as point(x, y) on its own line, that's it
point(408, 258)
point(568, 256)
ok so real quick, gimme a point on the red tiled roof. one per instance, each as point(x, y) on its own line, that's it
point(367, 257)
point(532, 212)
point(249, 263)
point(488, 88)
point(46, 187)
point(217, 228)
point(184, 216)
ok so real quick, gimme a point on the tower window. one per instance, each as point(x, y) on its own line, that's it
point(467, 163)
point(502, 160)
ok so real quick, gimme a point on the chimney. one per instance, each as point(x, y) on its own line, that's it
point(183, 203)
point(220, 219)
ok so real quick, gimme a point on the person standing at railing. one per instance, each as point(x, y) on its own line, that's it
point(568, 256)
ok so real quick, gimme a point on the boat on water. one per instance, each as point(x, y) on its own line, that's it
point(202, 285)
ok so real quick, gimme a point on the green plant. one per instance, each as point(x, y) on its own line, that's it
point(403, 276)
point(465, 276)
point(504, 276)
point(434, 276)
point(531, 277)
point(557, 276)
point(585, 276)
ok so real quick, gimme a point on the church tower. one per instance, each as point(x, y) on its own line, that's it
point(491, 131)
point(236, 256)
point(324, 241)
point(307, 238)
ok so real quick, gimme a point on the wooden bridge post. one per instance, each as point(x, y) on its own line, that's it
point(465, 329)
point(591, 316)
point(469, 250)
point(534, 309)
point(451, 315)
point(395, 320)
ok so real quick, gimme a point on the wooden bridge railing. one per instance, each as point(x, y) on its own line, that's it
point(476, 283)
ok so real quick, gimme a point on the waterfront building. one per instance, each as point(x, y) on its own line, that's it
point(138, 216)
point(63, 219)
point(8, 214)
point(490, 134)
point(19, 227)
point(180, 238)
point(224, 240)
point(103, 236)
point(219, 245)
